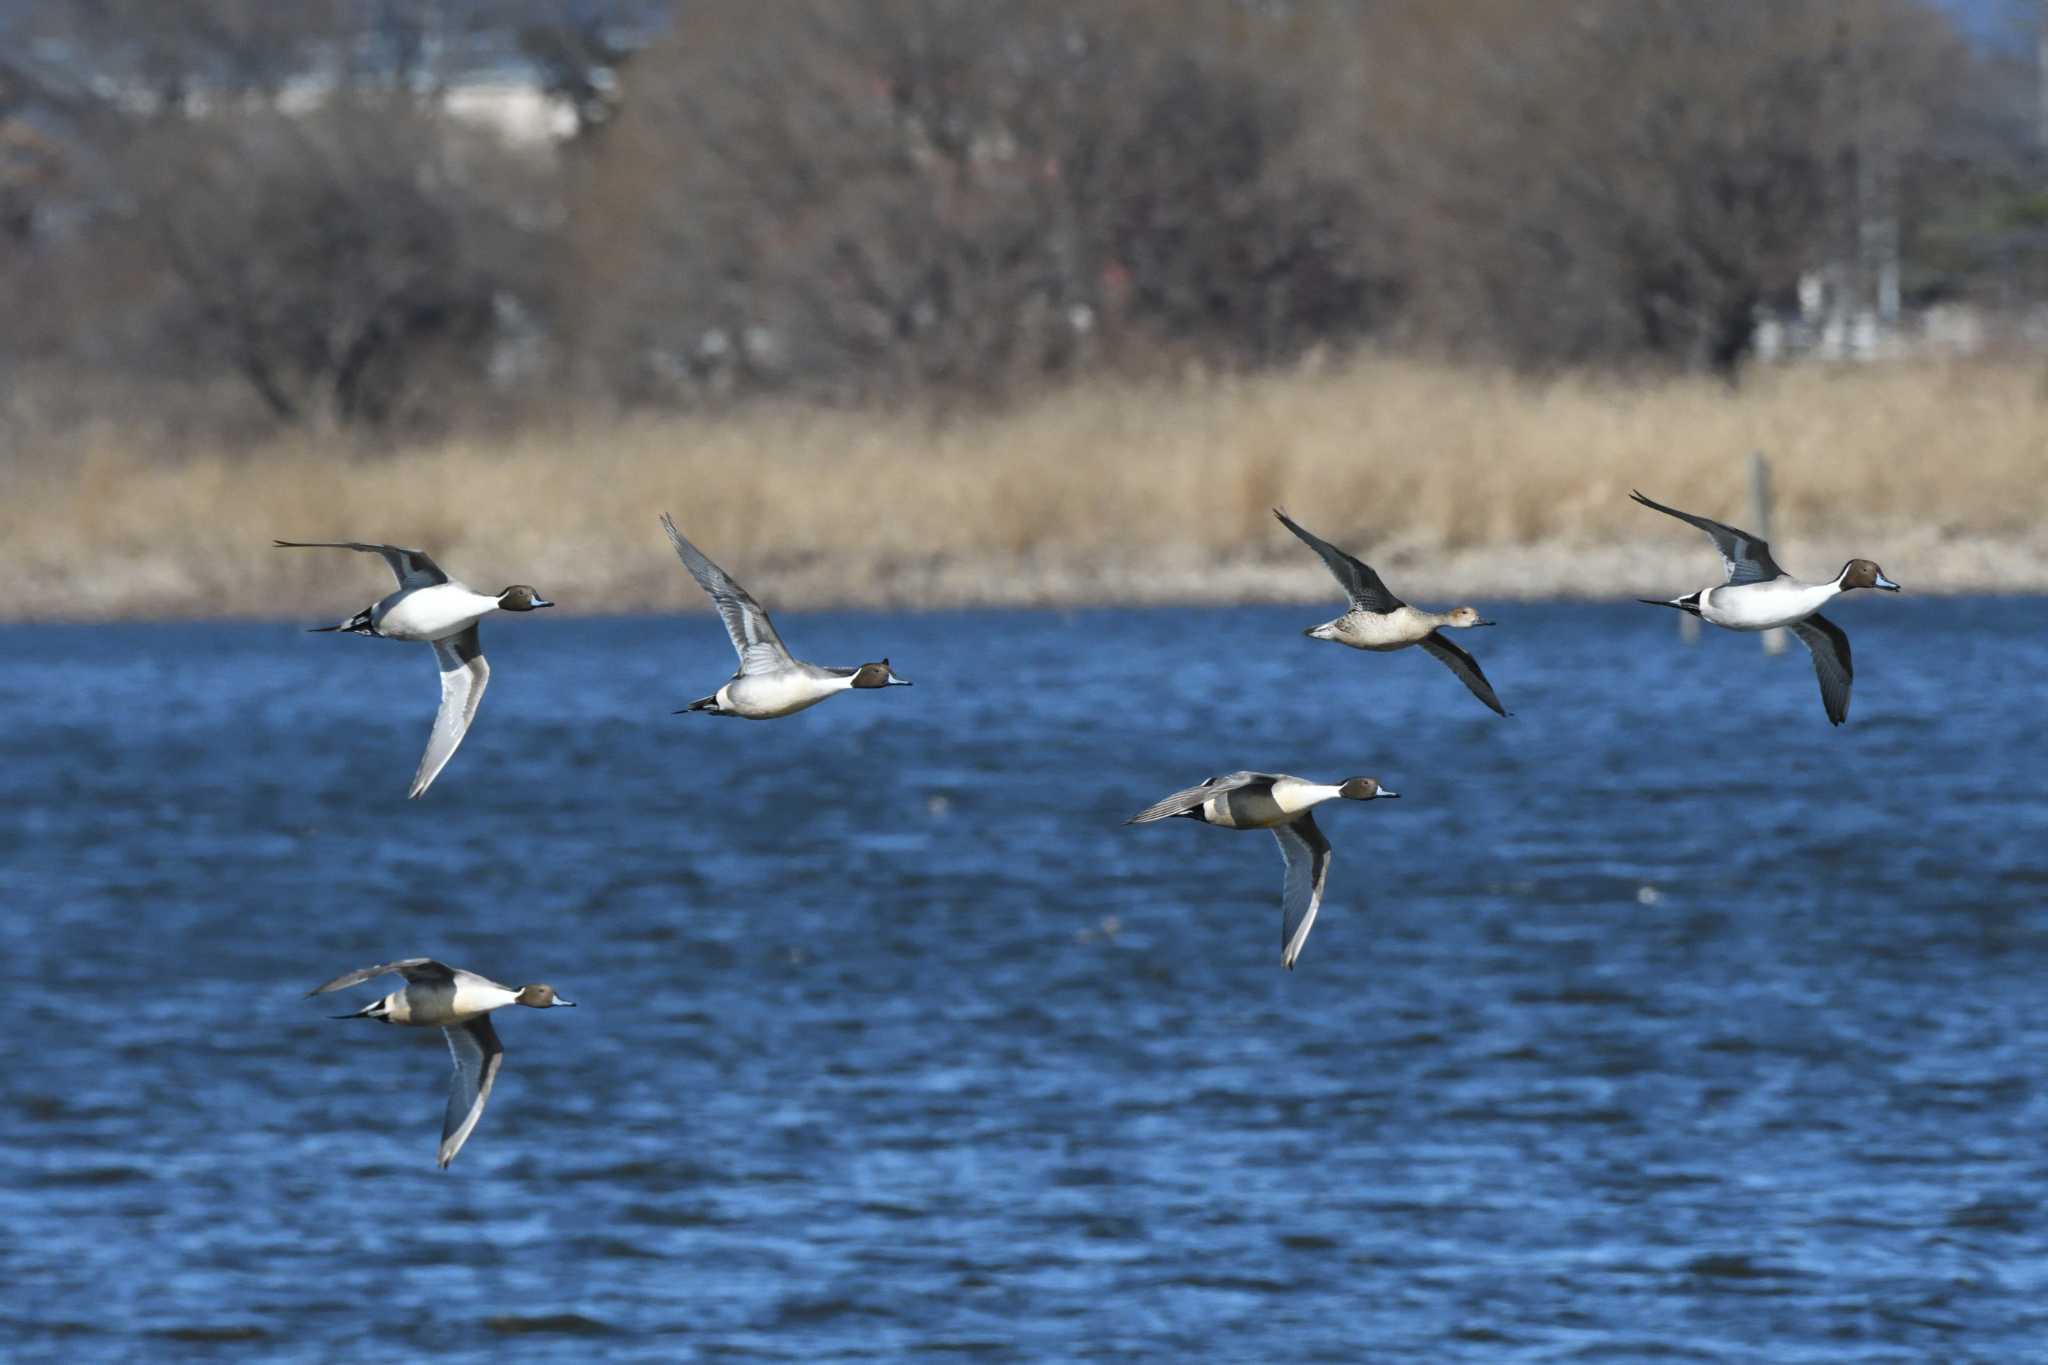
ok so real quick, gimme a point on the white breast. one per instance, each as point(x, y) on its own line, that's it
point(474, 997)
point(764, 696)
point(432, 613)
point(1764, 606)
point(1293, 796)
point(1385, 630)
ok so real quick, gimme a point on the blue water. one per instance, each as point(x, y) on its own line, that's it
point(1659, 1021)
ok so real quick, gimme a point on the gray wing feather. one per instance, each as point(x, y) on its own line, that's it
point(1360, 583)
point(411, 968)
point(760, 649)
point(413, 568)
point(1829, 644)
point(1191, 797)
point(1746, 558)
point(1465, 666)
point(1308, 864)
point(477, 1055)
point(464, 675)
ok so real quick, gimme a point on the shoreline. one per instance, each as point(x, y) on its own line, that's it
point(172, 588)
point(1457, 484)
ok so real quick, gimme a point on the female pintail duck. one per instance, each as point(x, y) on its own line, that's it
point(1282, 804)
point(430, 606)
point(769, 683)
point(1761, 596)
point(458, 1003)
point(1380, 621)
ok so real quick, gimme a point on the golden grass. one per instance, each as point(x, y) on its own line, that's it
point(1397, 459)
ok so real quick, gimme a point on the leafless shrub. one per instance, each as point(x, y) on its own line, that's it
point(922, 193)
point(1627, 180)
point(346, 263)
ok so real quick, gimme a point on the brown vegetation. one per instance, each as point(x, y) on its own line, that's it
point(1449, 478)
point(941, 300)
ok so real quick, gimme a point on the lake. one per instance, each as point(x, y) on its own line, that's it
point(1659, 1021)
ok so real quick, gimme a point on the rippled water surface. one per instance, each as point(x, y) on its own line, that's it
point(1659, 1021)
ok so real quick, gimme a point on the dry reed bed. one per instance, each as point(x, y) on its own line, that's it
point(1464, 481)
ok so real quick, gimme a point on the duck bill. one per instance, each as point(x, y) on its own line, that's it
point(540, 602)
point(1887, 584)
point(1386, 795)
point(560, 1003)
point(899, 682)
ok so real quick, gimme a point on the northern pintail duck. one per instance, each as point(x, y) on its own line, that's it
point(1761, 596)
point(458, 1003)
point(1283, 804)
point(1380, 621)
point(769, 683)
point(430, 606)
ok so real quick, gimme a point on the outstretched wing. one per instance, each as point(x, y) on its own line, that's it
point(1308, 864)
point(1465, 666)
point(477, 1055)
point(760, 649)
point(1186, 800)
point(1360, 583)
point(1829, 644)
point(411, 968)
point(464, 674)
point(1747, 558)
point(413, 567)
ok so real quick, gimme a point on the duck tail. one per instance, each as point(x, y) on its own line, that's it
point(359, 624)
point(1689, 603)
point(709, 703)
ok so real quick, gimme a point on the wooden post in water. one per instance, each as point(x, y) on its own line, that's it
point(1760, 524)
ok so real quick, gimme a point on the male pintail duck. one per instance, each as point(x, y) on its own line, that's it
point(458, 1003)
point(1380, 621)
point(769, 683)
point(430, 606)
point(1761, 596)
point(1282, 804)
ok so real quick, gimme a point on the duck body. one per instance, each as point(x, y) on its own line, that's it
point(1263, 805)
point(444, 1002)
point(431, 608)
point(783, 692)
point(1382, 631)
point(771, 682)
point(1758, 595)
point(437, 611)
point(1381, 622)
point(1772, 605)
point(460, 1004)
point(1284, 805)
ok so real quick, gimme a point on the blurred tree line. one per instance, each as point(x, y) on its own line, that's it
point(259, 213)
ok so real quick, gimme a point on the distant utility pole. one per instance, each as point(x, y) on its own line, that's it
point(2041, 74)
point(1760, 523)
